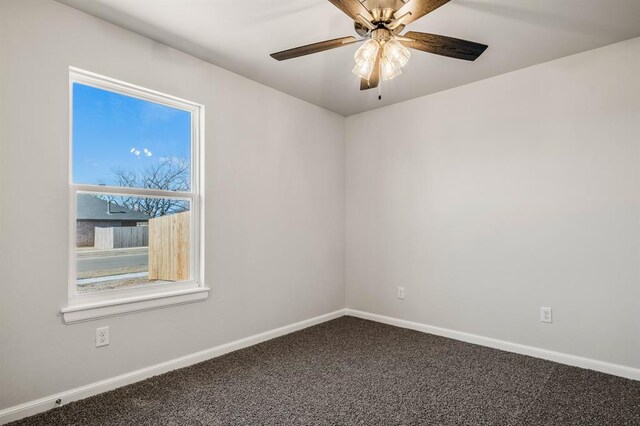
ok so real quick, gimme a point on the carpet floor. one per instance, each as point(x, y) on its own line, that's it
point(351, 371)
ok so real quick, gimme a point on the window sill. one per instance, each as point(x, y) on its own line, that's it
point(80, 312)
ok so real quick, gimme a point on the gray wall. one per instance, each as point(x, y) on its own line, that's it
point(275, 195)
point(492, 199)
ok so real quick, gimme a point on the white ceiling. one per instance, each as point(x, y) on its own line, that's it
point(239, 35)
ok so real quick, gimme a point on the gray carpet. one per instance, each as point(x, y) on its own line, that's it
point(355, 372)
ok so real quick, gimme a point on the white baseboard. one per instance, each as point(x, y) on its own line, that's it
point(43, 404)
point(562, 358)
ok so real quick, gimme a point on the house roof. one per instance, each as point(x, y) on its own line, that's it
point(90, 207)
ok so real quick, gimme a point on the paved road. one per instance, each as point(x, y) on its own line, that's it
point(100, 262)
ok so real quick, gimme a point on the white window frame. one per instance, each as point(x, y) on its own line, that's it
point(84, 307)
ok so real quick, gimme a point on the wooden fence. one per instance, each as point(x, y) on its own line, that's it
point(121, 237)
point(169, 247)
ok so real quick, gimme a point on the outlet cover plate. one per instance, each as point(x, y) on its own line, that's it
point(546, 314)
point(102, 336)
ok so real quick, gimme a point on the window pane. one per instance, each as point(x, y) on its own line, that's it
point(120, 140)
point(126, 241)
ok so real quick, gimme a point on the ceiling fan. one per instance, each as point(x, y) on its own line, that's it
point(384, 52)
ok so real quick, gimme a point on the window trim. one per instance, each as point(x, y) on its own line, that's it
point(83, 307)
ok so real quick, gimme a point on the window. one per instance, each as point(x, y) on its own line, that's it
point(135, 198)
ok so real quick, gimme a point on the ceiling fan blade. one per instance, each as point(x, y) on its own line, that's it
point(374, 79)
point(353, 8)
point(418, 8)
point(443, 45)
point(313, 48)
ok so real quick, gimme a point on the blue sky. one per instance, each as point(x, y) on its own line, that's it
point(111, 130)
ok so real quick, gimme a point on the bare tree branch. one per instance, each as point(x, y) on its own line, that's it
point(172, 174)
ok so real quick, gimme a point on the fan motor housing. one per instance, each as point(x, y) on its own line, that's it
point(383, 13)
point(382, 10)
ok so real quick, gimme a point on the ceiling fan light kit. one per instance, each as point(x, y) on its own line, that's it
point(394, 57)
point(385, 52)
point(365, 57)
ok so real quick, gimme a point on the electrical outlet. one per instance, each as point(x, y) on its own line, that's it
point(400, 292)
point(102, 336)
point(545, 314)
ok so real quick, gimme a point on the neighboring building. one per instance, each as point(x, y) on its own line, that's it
point(96, 213)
